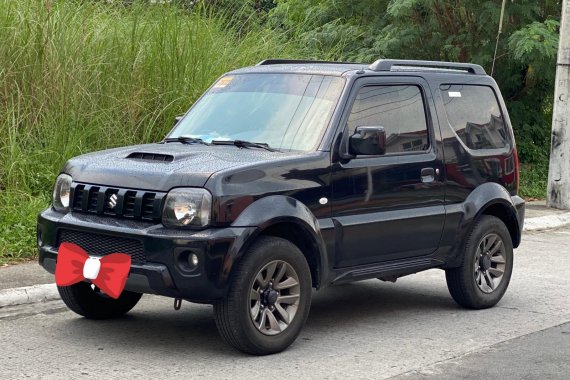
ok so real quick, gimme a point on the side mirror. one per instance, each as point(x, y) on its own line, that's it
point(369, 141)
point(177, 119)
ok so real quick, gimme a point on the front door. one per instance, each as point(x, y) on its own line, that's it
point(389, 207)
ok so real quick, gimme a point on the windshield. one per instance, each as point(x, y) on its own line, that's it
point(286, 111)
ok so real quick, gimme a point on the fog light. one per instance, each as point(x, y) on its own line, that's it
point(193, 260)
point(187, 261)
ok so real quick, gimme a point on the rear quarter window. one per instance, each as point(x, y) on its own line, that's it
point(475, 116)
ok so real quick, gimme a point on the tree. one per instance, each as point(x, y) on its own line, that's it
point(451, 30)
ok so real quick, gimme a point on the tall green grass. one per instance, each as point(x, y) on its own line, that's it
point(78, 76)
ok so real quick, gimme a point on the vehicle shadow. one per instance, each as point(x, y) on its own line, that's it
point(154, 325)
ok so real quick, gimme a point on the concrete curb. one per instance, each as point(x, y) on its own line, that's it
point(48, 292)
point(28, 294)
point(547, 222)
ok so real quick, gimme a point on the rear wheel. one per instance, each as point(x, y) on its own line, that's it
point(268, 300)
point(484, 275)
point(87, 300)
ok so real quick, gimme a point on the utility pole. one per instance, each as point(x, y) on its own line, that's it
point(558, 194)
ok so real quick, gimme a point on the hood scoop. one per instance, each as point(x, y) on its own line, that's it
point(145, 156)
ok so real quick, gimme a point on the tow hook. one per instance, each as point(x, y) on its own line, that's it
point(177, 303)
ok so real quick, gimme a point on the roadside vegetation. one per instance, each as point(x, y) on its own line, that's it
point(78, 76)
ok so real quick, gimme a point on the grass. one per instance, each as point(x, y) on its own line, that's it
point(533, 180)
point(79, 76)
point(18, 211)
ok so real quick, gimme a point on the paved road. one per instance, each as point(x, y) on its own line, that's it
point(368, 330)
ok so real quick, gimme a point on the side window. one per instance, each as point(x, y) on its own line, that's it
point(474, 114)
point(399, 109)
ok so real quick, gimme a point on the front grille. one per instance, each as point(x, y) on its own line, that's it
point(113, 201)
point(101, 245)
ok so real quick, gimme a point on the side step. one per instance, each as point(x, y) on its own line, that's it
point(388, 271)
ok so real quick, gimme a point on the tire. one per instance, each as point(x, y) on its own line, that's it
point(476, 284)
point(89, 302)
point(240, 315)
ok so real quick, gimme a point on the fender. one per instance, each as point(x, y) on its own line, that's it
point(269, 211)
point(460, 217)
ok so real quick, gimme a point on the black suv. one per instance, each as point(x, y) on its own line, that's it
point(292, 175)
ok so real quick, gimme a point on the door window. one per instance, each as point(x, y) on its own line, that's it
point(399, 109)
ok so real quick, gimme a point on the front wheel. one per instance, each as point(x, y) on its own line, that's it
point(268, 300)
point(87, 300)
point(483, 277)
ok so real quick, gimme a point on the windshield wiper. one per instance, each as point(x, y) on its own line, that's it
point(245, 144)
point(185, 140)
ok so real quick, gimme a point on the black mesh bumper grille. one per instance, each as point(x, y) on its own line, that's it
point(101, 245)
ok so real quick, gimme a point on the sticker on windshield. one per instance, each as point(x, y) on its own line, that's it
point(454, 94)
point(223, 82)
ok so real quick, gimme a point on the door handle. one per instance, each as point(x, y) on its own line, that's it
point(428, 175)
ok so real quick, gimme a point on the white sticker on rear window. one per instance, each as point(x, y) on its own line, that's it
point(454, 94)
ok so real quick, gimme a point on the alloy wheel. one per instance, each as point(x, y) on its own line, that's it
point(490, 263)
point(274, 297)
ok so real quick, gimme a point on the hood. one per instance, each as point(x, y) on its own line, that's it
point(160, 167)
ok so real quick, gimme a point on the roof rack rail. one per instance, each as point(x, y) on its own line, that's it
point(279, 61)
point(408, 65)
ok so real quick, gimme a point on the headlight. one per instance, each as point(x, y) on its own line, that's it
point(61, 193)
point(187, 208)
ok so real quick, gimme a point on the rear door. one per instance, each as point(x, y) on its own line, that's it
point(389, 207)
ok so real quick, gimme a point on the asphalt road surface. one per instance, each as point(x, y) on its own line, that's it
point(367, 330)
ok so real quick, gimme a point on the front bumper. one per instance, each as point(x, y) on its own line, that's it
point(162, 266)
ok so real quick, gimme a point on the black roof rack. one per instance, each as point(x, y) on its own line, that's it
point(410, 65)
point(278, 61)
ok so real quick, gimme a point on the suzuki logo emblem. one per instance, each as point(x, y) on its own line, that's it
point(112, 202)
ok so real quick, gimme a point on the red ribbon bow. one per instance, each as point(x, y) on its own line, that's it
point(109, 273)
